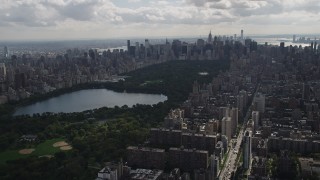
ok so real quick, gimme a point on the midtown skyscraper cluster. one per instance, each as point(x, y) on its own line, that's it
point(26, 75)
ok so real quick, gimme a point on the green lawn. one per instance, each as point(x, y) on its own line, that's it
point(10, 155)
point(44, 148)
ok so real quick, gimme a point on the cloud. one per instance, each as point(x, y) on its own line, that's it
point(28, 13)
point(252, 8)
point(111, 14)
point(134, 1)
point(201, 3)
point(49, 13)
point(78, 10)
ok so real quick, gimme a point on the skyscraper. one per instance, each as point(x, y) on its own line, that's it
point(3, 71)
point(147, 44)
point(255, 119)
point(282, 45)
point(6, 52)
point(247, 149)
point(294, 38)
point(226, 127)
point(214, 166)
point(137, 50)
point(128, 45)
point(224, 112)
point(234, 120)
point(259, 102)
point(210, 38)
point(242, 101)
point(241, 34)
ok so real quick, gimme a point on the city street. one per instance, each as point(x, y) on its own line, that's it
point(231, 164)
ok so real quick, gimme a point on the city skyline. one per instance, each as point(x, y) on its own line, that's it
point(217, 107)
point(79, 19)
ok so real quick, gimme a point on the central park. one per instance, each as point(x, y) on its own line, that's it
point(76, 145)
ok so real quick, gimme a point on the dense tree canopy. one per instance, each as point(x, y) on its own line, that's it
point(103, 134)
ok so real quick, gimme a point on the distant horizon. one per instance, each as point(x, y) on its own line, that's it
point(103, 19)
point(309, 35)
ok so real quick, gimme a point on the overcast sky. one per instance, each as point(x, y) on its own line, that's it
point(75, 19)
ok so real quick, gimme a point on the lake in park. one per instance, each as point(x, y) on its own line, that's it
point(83, 100)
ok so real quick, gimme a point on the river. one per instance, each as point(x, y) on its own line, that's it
point(89, 99)
point(277, 41)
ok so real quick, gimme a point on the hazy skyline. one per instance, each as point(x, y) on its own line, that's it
point(78, 19)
